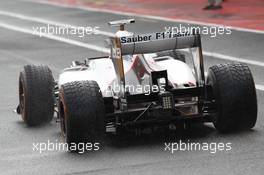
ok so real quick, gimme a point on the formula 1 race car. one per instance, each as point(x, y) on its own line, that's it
point(146, 81)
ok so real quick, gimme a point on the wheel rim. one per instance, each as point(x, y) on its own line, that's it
point(62, 118)
point(62, 114)
point(22, 98)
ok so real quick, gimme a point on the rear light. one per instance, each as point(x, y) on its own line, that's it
point(167, 100)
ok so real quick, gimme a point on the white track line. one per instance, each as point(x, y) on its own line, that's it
point(45, 21)
point(145, 16)
point(72, 42)
point(53, 37)
point(230, 58)
point(259, 87)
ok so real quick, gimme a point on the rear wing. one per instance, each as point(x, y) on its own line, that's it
point(156, 42)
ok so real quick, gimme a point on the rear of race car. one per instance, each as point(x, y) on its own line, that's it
point(153, 89)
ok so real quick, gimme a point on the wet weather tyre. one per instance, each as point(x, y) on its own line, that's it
point(235, 96)
point(36, 96)
point(82, 113)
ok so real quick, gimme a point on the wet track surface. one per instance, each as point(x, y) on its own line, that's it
point(139, 155)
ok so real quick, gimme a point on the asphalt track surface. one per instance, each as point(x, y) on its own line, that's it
point(140, 155)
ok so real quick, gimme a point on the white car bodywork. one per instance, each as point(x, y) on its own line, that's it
point(103, 72)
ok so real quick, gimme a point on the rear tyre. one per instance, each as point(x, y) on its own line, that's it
point(82, 113)
point(36, 99)
point(235, 96)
